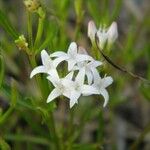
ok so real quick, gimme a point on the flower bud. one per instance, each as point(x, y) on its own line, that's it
point(32, 5)
point(102, 37)
point(92, 30)
point(21, 43)
point(112, 33)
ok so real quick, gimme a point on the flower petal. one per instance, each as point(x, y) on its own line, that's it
point(74, 98)
point(72, 50)
point(89, 77)
point(45, 57)
point(71, 64)
point(53, 73)
point(81, 50)
point(96, 75)
point(104, 93)
point(94, 64)
point(89, 90)
point(58, 54)
point(91, 30)
point(82, 57)
point(39, 69)
point(106, 81)
point(69, 76)
point(55, 93)
point(58, 60)
point(80, 76)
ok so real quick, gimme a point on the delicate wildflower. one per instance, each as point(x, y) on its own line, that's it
point(72, 57)
point(32, 5)
point(60, 86)
point(49, 66)
point(103, 34)
point(78, 88)
point(101, 84)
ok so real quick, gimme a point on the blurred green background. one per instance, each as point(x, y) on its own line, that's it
point(123, 124)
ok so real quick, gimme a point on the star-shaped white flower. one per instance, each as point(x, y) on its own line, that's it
point(77, 88)
point(60, 87)
point(48, 65)
point(101, 84)
point(72, 56)
point(90, 67)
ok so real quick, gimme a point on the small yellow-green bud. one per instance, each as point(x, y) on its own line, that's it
point(21, 43)
point(32, 5)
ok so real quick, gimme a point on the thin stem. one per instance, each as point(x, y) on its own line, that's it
point(39, 32)
point(27, 138)
point(30, 34)
point(4, 117)
point(120, 68)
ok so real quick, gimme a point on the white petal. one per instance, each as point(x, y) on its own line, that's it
point(45, 57)
point(112, 33)
point(72, 50)
point(54, 94)
point(54, 80)
point(88, 89)
point(104, 93)
point(71, 64)
point(91, 30)
point(80, 76)
point(82, 57)
point(96, 75)
point(39, 69)
point(58, 54)
point(69, 76)
point(58, 60)
point(94, 64)
point(74, 98)
point(90, 77)
point(102, 38)
point(106, 81)
point(53, 73)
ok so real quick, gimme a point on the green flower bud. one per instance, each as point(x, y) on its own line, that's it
point(32, 5)
point(21, 43)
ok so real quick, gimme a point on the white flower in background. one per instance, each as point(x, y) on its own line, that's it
point(72, 57)
point(101, 84)
point(49, 66)
point(103, 34)
point(60, 86)
point(92, 30)
point(112, 33)
point(77, 88)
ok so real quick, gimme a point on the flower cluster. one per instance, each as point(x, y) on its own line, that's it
point(83, 77)
point(86, 82)
point(104, 35)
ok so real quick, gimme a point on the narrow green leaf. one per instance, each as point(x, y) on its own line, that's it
point(1, 70)
point(6, 25)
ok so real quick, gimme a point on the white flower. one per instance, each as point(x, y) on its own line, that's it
point(112, 33)
point(60, 87)
point(78, 88)
point(103, 34)
point(92, 30)
point(88, 66)
point(49, 66)
point(72, 57)
point(101, 84)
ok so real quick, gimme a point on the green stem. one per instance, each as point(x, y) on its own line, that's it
point(30, 34)
point(4, 117)
point(39, 32)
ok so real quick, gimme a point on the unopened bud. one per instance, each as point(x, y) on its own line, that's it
point(32, 5)
point(21, 43)
point(112, 33)
point(92, 30)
